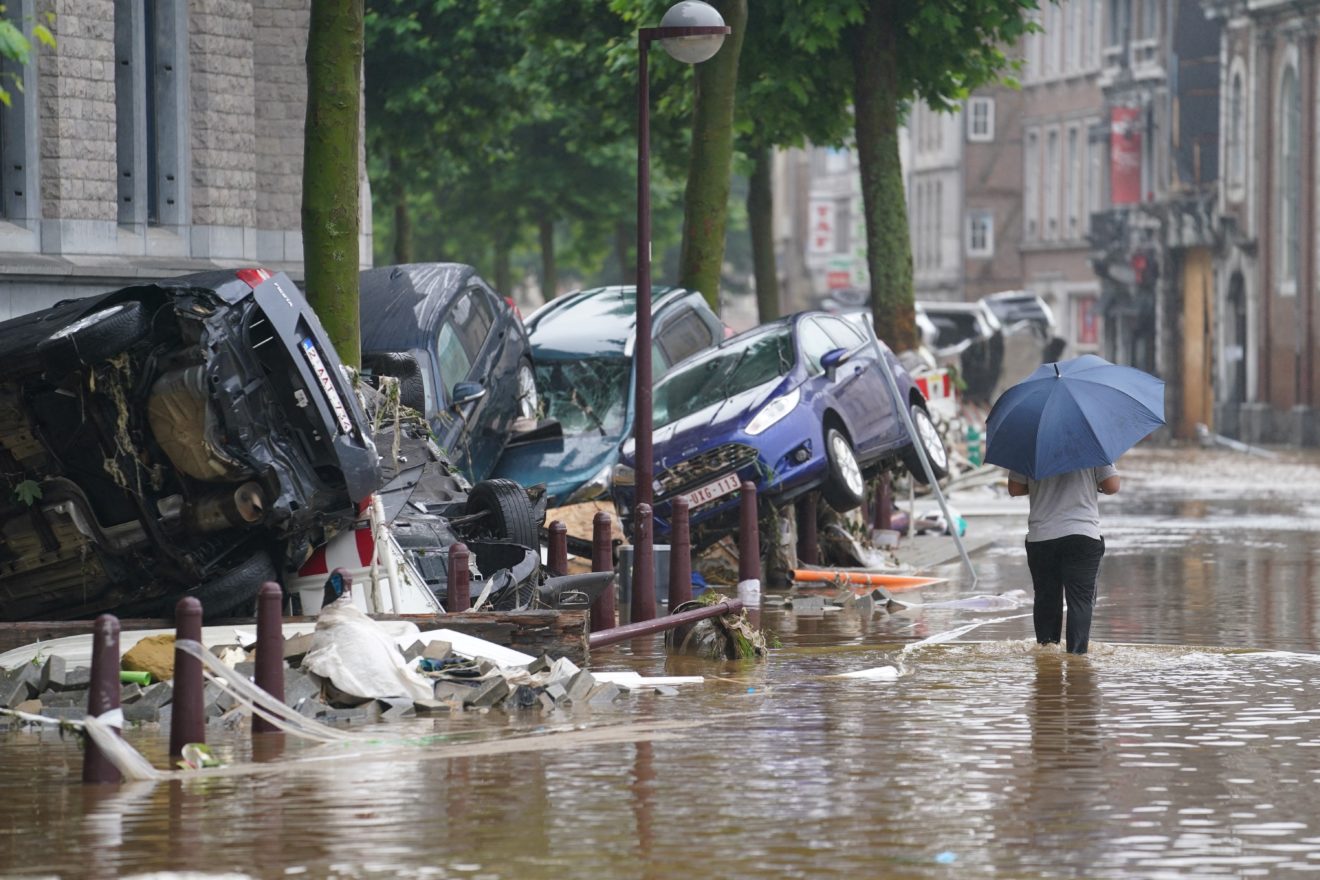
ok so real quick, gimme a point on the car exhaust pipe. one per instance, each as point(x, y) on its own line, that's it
point(227, 509)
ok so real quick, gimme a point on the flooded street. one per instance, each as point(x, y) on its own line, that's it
point(1187, 744)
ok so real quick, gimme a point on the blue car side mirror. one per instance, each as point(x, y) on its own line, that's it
point(466, 392)
point(834, 357)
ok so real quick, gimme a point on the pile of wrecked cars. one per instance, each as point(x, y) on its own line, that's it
point(199, 436)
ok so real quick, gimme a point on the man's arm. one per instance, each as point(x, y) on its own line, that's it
point(1108, 486)
point(1016, 489)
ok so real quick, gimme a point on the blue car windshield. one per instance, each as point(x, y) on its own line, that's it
point(586, 396)
point(733, 370)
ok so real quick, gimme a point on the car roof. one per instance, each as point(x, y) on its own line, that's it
point(403, 302)
point(599, 321)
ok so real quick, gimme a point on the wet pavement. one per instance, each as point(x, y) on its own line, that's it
point(1186, 745)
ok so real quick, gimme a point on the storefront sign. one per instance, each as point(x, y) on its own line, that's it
point(1124, 156)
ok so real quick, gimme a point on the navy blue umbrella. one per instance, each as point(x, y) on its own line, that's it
point(1074, 414)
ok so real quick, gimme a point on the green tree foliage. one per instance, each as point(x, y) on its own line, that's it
point(937, 51)
point(16, 46)
point(330, 205)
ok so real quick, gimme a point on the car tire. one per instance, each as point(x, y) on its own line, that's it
point(929, 437)
point(509, 516)
point(529, 401)
point(95, 338)
point(844, 488)
point(234, 591)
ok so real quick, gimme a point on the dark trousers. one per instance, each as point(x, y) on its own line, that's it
point(1060, 566)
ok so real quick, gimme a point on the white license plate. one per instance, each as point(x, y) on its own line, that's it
point(723, 486)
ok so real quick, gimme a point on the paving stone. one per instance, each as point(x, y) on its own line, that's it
point(130, 692)
point(456, 691)
point(556, 692)
point(345, 716)
point(299, 686)
point(540, 664)
point(488, 693)
point(547, 702)
point(296, 646)
point(579, 686)
point(141, 713)
point(604, 695)
point(809, 605)
point(415, 650)
point(58, 675)
point(438, 650)
point(67, 698)
point(393, 710)
point(158, 694)
point(19, 685)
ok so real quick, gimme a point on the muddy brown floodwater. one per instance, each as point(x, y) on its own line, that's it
point(1186, 745)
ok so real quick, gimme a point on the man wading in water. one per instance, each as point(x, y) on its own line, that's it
point(1064, 547)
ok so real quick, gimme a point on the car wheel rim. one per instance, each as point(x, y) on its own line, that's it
point(526, 393)
point(847, 462)
point(930, 440)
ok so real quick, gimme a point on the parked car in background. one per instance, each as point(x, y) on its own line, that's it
point(1015, 308)
point(193, 435)
point(796, 405)
point(970, 337)
point(459, 351)
point(582, 346)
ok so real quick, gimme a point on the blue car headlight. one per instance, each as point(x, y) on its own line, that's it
point(774, 411)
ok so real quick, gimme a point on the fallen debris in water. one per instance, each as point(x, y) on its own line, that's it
point(726, 637)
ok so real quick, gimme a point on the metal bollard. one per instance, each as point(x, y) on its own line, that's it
point(458, 598)
point(602, 559)
point(188, 716)
point(808, 543)
point(102, 696)
point(270, 649)
point(884, 502)
point(643, 583)
point(557, 552)
point(749, 553)
point(680, 555)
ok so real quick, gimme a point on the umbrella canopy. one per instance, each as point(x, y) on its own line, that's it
point(1074, 414)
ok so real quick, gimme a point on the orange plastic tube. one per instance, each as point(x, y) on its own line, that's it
point(892, 582)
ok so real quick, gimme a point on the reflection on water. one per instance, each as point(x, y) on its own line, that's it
point(1154, 756)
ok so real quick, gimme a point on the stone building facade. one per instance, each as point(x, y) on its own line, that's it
point(1267, 271)
point(158, 137)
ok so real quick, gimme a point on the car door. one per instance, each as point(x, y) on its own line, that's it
point(878, 425)
point(824, 386)
point(462, 356)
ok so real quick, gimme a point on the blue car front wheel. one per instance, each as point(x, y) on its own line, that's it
point(845, 487)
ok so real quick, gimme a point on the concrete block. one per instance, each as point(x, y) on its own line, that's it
point(8, 723)
point(247, 669)
point(130, 692)
point(31, 707)
point(19, 685)
point(57, 675)
point(345, 716)
point(413, 651)
point(141, 713)
point(809, 605)
point(665, 690)
point(313, 707)
point(547, 702)
point(67, 713)
point(556, 692)
point(67, 698)
point(488, 693)
point(51, 672)
point(166, 715)
point(540, 664)
point(432, 707)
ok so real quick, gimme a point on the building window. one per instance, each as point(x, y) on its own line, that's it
point(1053, 34)
point(980, 234)
point(1072, 188)
point(151, 40)
point(1092, 34)
point(1052, 171)
point(1095, 176)
point(18, 127)
point(1031, 187)
point(981, 119)
point(1235, 145)
point(1290, 180)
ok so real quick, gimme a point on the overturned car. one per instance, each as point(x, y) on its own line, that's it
point(194, 435)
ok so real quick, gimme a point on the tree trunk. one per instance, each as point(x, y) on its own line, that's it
point(710, 167)
point(875, 105)
point(330, 208)
point(549, 278)
point(760, 217)
point(503, 267)
point(624, 239)
point(403, 249)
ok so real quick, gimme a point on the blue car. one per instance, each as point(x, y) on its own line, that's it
point(796, 405)
point(582, 347)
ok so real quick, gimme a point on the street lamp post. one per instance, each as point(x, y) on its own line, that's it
point(691, 32)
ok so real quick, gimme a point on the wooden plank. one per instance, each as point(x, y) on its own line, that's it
point(557, 633)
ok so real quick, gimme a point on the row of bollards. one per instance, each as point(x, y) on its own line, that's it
point(188, 717)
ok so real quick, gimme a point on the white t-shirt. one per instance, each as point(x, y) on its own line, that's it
point(1066, 504)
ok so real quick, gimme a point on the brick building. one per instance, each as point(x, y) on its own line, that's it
point(159, 137)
